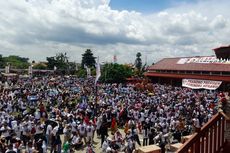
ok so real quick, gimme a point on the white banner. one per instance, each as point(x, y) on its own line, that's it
point(203, 60)
point(201, 84)
point(98, 71)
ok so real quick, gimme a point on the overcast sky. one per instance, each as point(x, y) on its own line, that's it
point(156, 28)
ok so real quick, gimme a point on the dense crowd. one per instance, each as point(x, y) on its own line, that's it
point(64, 114)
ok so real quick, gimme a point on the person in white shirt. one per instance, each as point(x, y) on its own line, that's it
point(67, 133)
point(82, 131)
point(5, 131)
point(48, 134)
point(76, 141)
point(98, 125)
point(37, 115)
point(74, 127)
point(105, 145)
point(17, 130)
point(89, 132)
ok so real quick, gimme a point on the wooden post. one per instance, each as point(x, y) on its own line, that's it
point(222, 130)
point(219, 134)
point(207, 141)
point(215, 137)
point(211, 140)
point(197, 144)
point(202, 142)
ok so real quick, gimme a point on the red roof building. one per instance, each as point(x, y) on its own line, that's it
point(173, 70)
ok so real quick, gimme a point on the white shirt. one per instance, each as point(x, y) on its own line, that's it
point(5, 130)
point(98, 123)
point(90, 130)
point(37, 115)
point(81, 128)
point(49, 129)
point(75, 140)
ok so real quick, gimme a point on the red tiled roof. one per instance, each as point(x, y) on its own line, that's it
point(171, 64)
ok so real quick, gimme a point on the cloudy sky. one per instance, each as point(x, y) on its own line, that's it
point(156, 28)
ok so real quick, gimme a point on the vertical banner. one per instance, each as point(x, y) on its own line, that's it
point(98, 71)
point(7, 69)
point(30, 70)
point(88, 71)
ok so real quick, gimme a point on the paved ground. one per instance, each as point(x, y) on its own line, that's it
point(97, 143)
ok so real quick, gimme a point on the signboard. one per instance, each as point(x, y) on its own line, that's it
point(203, 60)
point(201, 84)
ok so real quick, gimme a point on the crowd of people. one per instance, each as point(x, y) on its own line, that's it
point(64, 114)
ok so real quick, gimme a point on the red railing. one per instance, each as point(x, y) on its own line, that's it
point(209, 139)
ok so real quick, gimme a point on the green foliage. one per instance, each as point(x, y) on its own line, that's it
point(72, 67)
point(115, 73)
point(88, 59)
point(81, 73)
point(60, 61)
point(2, 63)
point(93, 71)
point(16, 61)
point(138, 61)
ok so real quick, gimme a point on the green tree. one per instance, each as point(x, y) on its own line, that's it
point(17, 61)
point(60, 61)
point(72, 67)
point(138, 62)
point(88, 59)
point(2, 63)
point(115, 73)
point(81, 73)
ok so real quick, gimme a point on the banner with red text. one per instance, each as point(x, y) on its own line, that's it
point(201, 84)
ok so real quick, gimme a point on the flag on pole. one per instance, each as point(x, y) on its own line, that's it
point(98, 71)
point(88, 71)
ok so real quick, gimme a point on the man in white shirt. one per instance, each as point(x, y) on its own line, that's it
point(5, 129)
point(76, 141)
point(89, 132)
point(82, 131)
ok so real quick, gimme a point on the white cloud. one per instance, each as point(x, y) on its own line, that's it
point(42, 28)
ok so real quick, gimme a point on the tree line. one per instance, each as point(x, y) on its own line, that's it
point(110, 72)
